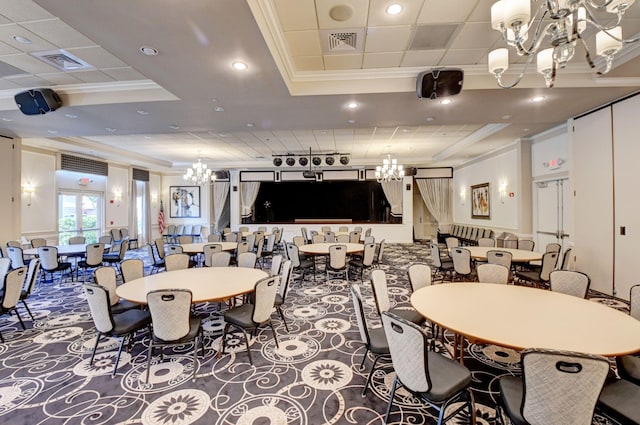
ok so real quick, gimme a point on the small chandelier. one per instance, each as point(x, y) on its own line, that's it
point(199, 174)
point(389, 170)
point(567, 20)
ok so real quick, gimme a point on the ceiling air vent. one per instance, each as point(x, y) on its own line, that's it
point(62, 60)
point(342, 41)
point(345, 41)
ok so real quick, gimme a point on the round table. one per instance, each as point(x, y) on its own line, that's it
point(323, 248)
point(198, 247)
point(73, 249)
point(206, 283)
point(518, 255)
point(520, 317)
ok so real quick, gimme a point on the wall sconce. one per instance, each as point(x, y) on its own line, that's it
point(154, 197)
point(28, 190)
point(117, 196)
point(502, 190)
point(463, 195)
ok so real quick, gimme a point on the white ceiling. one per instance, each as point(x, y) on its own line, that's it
point(160, 111)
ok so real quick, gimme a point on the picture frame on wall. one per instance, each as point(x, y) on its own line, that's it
point(185, 202)
point(480, 201)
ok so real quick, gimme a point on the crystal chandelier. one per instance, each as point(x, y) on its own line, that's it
point(389, 170)
point(199, 174)
point(562, 23)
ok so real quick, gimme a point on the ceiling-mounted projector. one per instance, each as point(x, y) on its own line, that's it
point(441, 82)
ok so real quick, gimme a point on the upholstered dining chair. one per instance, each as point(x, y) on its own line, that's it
point(419, 276)
point(178, 261)
point(106, 277)
point(570, 283)
point(383, 303)
point(214, 237)
point(286, 274)
point(115, 258)
point(443, 265)
point(462, 265)
point(364, 262)
point(220, 259)
point(92, 260)
point(247, 259)
point(276, 265)
point(11, 289)
point(29, 283)
point(15, 254)
point(437, 381)
point(132, 268)
point(556, 387)
point(493, 273)
point(208, 250)
point(540, 278)
point(38, 242)
point(156, 262)
point(526, 244)
point(338, 262)
point(49, 261)
point(300, 264)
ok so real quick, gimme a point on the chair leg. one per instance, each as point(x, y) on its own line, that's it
point(115, 364)
point(246, 341)
point(373, 368)
point(95, 347)
point(195, 358)
point(1, 338)
point(281, 314)
point(275, 334)
point(364, 358)
point(19, 318)
point(146, 381)
point(472, 407)
point(27, 308)
point(391, 395)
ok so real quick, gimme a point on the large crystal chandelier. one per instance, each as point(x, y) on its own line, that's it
point(561, 23)
point(199, 174)
point(389, 170)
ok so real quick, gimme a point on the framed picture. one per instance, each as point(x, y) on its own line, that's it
point(185, 201)
point(480, 201)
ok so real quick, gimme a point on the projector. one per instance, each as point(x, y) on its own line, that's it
point(441, 82)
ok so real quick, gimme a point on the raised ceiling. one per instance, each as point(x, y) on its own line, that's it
point(162, 111)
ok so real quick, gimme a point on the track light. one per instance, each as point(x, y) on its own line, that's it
point(303, 160)
point(329, 160)
point(291, 161)
point(316, 160)
point(344, 160)
point(277, 162)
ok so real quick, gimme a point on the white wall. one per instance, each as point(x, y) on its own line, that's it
point(39, 219)
point(547, 146)
point(117, 197)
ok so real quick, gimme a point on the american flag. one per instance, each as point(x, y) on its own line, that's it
point(161, 218)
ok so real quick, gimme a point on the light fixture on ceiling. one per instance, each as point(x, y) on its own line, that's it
point(393, 9)
point(277, 161)
point(239, 66)
point(567, 20)
point(329, 160)
point(352, 105)
point(291, 161)
point(344, 160)
point(389, 170)
point(21, 39)
point(149, 51)
point(316, 160)
point(199, 174)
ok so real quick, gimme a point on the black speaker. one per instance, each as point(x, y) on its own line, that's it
point(38, 101)
point(439, 83)
point(410, 171)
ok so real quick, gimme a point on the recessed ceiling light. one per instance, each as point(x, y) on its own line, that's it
point(142, 112)
point(21, 39)
point(214, 100)
point(506, 117)
point(148, 137)
point(430, 118)
point(110, 129)
point(174, 127)
point(351, 121)
point(352, 105)
point(239, 66)
point(218, 109)
point(406, 130)
point(537, 98)
point(526, 129)
point(72, 116)
point(149, 51)
point(394, 9)
point(250, 124)
point(52, 131)
point(5, 119)
point(445, 101)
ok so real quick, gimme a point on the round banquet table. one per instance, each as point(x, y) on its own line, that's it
point(198, 247)
point(73, 249)
point(323, 248)
point(520, 317)
point(518, 255)
point(206, 283)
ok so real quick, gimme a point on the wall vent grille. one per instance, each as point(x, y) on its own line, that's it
point(83, 165)
point(140, 175)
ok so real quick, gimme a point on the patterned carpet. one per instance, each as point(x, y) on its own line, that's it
point(313, 378)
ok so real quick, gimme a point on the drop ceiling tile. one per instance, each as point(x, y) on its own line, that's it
point(29, 81)
point(387, 39)
point(422, 57)
point(8, 84)
point(440, 11)
point(37, 43)
point(356, 12)
point(28, 63)
point(342, 62)
point(98, 57)
point(303, 43)
point(379, 17)
point(92, 76)
point(463, 57)
point(5, 49)
point(475, 35)
point(123, 74)
point(482, 11)
point(296, 14)
point(60, 78)
point(382, 60)
point(58, 33)
point(23, 10)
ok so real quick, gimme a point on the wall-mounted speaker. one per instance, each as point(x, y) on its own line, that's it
point(38, 101)
point(410, 171)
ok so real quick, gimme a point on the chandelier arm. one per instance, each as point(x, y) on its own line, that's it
point(587, 57)
point(596, 5)
point(518, 79)
point(537, 37)
point(591, 19)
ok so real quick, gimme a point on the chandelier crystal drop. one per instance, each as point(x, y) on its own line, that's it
point(199, 174)
point(389, 170)
point(554, 31)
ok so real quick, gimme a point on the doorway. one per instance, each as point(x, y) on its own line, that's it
point(552, 213)
point(79, 214)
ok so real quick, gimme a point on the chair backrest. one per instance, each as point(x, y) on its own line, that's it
point(215, 237)
point(16, 256)
point(367, 232)
point(329, 236)
point(265, 296)
point(278, 232)
point(95, 251)
point(183, 239)
point(243, 246)
point(115, 235)
point(13, 283)
point(461, 260)
point(324, 229)
point(100, 307)
point(259, 248)
point(160, 248)
point(151, 254)
point(171, 229)
point(354, 236)
point(196, 230)
point(369, 239)
point(342, 239)
point(170, 312)
point(452, 242)
point(270, 242)
point(368, 255)
point(106, 277)
point(380, 251)
point(49, 257)
point(570, 283)
point(174, 249)
point(187, 230)
point(294, 254)
point(337, 256)
point(380, 290)
point(561, 387)
point(81, 240)
point(124, 233)
point(176, 262)
point(247, 259)
point(408, 346)
point(132, 268)
point(208, 250)
point(32, 275)
point(259, 234)
point(435, 255)
point(251, 240)
point(220, 259)
point(634, 301)
point(5, 265)
point(38, 242)
point(231, 237)
point(15, 244)
point(105, 239)
point(493, 273)
point(243, 229)
point(526, 244)
point(549, 260)
point(317, 238)
point(179, 229)
point(286, 273)
point(124, 247)
point(358, 307)
point(276, 265)
point(552, 247)
point(502, 258)
point(486, 242)
point(305, 235)
point(567, 260)
point(357, 229)
point(343, 228)
point(419, 276)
